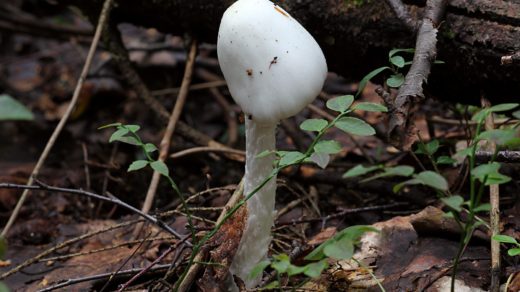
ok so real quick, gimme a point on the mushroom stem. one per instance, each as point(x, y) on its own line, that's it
point(260, 208)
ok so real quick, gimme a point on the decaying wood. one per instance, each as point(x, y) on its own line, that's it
point(474, 37)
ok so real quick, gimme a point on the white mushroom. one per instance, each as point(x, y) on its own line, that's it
point(273, 68)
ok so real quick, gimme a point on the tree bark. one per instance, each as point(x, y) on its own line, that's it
point(356, 38)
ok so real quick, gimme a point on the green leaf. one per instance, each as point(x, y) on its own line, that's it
point(370, 107)
point(497, 179)
point(352, 233)
point(340, 250)
point(489, 173)
point(395, 80)
point(321, 159)
point(483, 208)
point(505, 239)
point(513, 252)
point(281, 263)
point(258, 269)
point(149, 148)
point(433, 179)
point(446, 160)
point(272, 285)
point(360, 170)
point(503, 107)
point(428, 178)
point(132, 128)
point(481, 115)
point(355, 126)
point(499, 136)
point(314, 270)
point(314, 125)
point(130, 140)
point(340, 103)
point(138, 164)
point(265, 153)
point(328, 147)
point(395, 51)
point(481, 171)
point(3, 287)
point(428, 149)
point(516, 114)
point(293, 270)
point(401, 170)
point(369, 76)
point(160, 167)
point(468, 151)
point(12, 109)
point(355, 232)
point(109, 126)
point(397, 61)
point(291, 157)
point(454, 202)
point(118, 134)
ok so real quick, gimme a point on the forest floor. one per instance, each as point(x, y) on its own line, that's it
point(313, 204)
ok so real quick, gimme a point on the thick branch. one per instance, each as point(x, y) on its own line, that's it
point(412, 89)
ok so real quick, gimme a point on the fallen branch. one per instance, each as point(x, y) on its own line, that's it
point(401, 132)
point(194, 150)
point(52, 140)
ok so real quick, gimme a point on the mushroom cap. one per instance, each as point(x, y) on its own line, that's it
point(272, 65)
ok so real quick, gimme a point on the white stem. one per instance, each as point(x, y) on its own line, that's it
point(260, 208)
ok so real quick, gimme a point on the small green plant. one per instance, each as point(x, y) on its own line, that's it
point(464, 211)
point(514, 251)
point(339, 247)
point(128, 134)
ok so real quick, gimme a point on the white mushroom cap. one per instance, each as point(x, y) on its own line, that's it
point(272, 65)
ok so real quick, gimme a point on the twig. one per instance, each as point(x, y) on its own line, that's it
point(102, 20)
point(400, 130)
point(341, 214)
point(207, 149)
point(114, 200)
point(128, 258)
point(136, 276)
point(200, 86)
point(402, 13)
point(126, 243)
point(101, 276)
point(176, 113)
point(195, 268)
point(494, 213)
